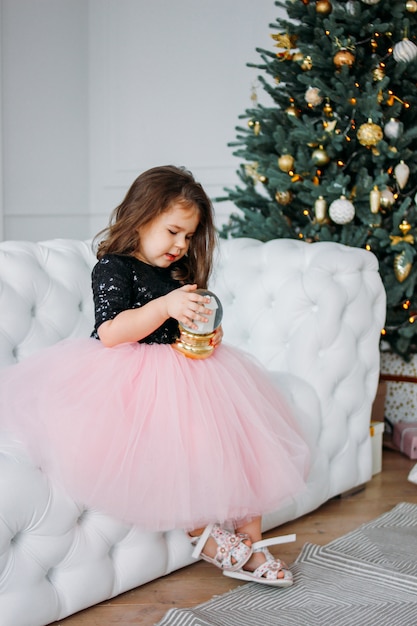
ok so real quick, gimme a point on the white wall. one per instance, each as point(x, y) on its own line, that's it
point(95, 91)
point(44, 88)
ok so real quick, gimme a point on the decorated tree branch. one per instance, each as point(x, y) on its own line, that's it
point(333, 155)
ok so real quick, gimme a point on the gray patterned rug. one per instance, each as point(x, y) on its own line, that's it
point(366, 578)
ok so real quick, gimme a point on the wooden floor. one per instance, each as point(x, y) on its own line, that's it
point(199, 582)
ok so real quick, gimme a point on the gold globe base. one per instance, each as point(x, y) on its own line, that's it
point(194, 346)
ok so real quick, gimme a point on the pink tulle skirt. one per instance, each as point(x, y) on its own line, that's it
point(154, 438)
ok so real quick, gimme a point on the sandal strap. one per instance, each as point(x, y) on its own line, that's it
point(229, 546)
point(270, 569)
point(273, 541)
point(200, 541)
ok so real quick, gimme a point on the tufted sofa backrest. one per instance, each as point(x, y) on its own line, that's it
point(45, 295)
point(298, 307)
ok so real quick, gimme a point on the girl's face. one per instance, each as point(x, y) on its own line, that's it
point(167, 238)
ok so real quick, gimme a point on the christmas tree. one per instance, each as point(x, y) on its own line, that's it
point(333, 155)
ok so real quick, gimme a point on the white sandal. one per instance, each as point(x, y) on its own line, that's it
point(267, 573)
point(232, 553)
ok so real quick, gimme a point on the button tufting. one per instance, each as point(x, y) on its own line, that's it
point(15, 539)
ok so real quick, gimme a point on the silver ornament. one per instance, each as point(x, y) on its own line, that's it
point(404, 51)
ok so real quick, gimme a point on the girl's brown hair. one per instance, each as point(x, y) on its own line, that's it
point(150, 195)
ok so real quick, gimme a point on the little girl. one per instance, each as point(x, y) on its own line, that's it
point(129, 425)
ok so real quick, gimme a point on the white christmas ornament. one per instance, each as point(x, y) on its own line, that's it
point(404, 51)
point(402, 172)
point(392, 128)
point(312, 96)
point(351, 7)
point(341, 211)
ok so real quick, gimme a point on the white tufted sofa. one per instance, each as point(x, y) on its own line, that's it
point(311, 312)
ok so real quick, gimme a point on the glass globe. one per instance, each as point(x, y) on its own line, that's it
point(214, 320)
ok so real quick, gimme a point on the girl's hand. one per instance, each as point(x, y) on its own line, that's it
point(218, 336)
point(186, 306)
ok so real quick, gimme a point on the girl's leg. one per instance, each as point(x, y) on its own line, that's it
point(254, 530)
point(211, 546)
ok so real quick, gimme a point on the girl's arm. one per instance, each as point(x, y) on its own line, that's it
point(134, 324)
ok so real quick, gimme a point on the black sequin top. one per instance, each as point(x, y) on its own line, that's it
point(123, 282)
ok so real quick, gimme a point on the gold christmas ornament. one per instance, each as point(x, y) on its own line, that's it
point(404, 51)
point(344, 57)
point(320, 207)
point(341, 211)
point(378, 73)
point(283, 197)
point(327, 110)
point(298, 57)
point(292, 111)
point(404, 227)
point(369, 134)
point(312, 96)
point(392, 128)
point(286, 162)
point(284, 40)
point(396, 239)
point(387, 198)
point(255, 126)
point(251, 170)
point(307, 64)
point(324, 7)
point(320, 156)
point(330, 126)
point(375, 199)
point(402, 268)
point(401, 173)
point(411, 6)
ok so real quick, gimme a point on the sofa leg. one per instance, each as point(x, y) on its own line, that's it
point(351, 492)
